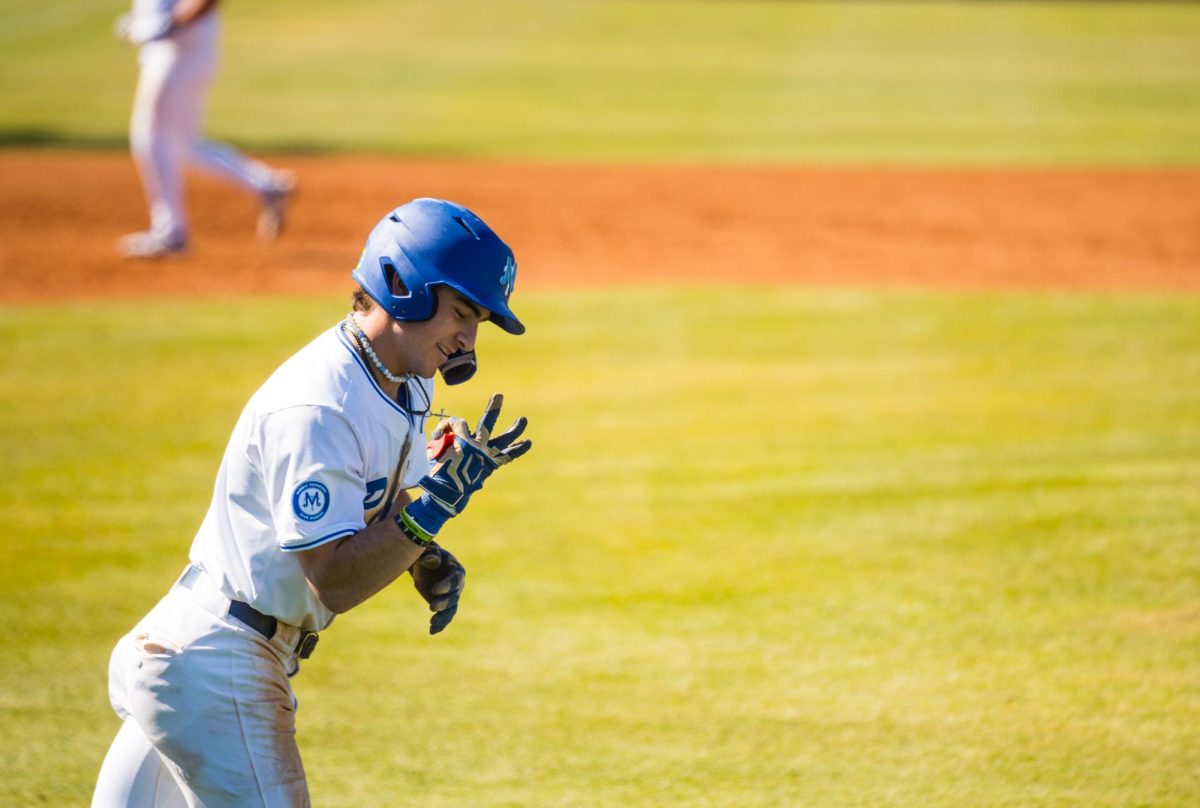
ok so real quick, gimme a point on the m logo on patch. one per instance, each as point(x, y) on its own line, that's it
point(310, 500)
point(508, 278)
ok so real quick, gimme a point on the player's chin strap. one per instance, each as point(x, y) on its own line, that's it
point(458, 367)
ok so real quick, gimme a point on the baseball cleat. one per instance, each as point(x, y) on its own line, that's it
point(149, 244)
point(274, 206)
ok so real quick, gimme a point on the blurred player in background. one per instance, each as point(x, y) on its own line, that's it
point(177, 56)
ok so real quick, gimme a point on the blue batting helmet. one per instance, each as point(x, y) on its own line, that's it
point(427, 242)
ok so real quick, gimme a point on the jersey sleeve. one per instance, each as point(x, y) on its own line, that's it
point(313, 470)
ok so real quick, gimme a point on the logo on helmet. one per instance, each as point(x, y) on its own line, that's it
point(508, 277)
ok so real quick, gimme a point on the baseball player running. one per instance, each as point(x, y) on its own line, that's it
point(311, 515)
point(177, 56)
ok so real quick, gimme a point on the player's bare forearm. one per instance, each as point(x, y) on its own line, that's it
point(187, 11)
point(347, 572)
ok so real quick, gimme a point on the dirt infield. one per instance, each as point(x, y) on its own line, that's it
point(1112, 230)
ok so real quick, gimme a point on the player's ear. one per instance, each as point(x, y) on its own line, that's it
point(394, 282)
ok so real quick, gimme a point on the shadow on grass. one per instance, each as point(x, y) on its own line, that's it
point(53, 139)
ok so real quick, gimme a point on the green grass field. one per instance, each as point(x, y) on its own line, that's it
point(745, 80)
point(773, 547)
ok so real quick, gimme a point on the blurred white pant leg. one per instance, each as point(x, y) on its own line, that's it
point(226, 162)
point(133, 775)
point(217, 158)
point(174, 74)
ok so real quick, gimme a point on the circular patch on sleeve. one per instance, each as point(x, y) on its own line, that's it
point(310, 501)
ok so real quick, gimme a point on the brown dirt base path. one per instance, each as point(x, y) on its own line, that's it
point(1111, 230)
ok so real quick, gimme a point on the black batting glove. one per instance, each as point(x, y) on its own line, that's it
point(439, 579)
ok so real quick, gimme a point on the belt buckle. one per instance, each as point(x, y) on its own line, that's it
point(308, 642)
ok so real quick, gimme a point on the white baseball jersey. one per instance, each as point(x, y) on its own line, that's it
point(317, 454)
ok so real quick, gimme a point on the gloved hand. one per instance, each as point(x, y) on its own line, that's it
point(460, 465)
point(136, 30)
point(439, 579)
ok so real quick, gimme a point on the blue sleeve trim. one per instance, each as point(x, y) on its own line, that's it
point(291, 548)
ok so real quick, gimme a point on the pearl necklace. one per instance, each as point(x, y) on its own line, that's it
point(364, 344)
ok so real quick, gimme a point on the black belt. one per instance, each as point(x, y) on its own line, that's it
point(266, 625)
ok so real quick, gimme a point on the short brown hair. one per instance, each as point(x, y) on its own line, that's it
point(362, 300)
